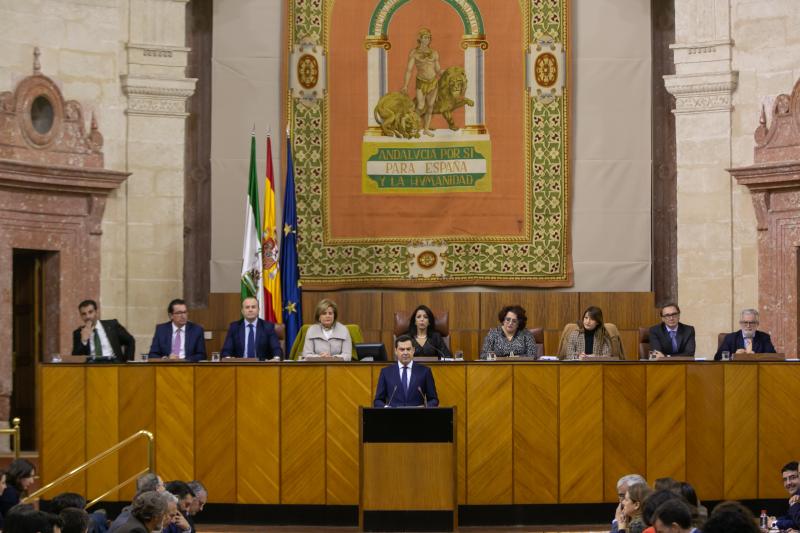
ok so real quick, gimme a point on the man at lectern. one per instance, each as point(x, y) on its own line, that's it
point(405, 384)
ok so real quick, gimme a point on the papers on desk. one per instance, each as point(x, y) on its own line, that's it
point(548, 358)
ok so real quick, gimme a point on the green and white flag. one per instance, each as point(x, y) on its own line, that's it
point(252, 283)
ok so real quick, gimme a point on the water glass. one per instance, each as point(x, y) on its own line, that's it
point(55, 358)
point(726, 356)
point(145, 357)
point(215, 357)
point(459, 354)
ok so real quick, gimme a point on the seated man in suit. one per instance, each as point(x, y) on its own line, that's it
point(671, 337)
point(179, 338)
point(102, 340)
point(405, 384)
point(251, 336)
point(748, 339)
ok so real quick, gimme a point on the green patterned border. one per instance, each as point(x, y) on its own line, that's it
point(542, 260)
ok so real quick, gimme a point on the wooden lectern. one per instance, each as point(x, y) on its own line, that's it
point(408, 469)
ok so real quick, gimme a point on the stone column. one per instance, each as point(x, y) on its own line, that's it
point(703, 86)
point(377, 77)
point(474, 117)
point(157, 90)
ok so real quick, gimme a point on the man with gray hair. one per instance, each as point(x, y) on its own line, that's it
point(147, 513)
point(144, 483)
point(174, 521)
point(748, 339)
point(200, 499)
point(622, 487)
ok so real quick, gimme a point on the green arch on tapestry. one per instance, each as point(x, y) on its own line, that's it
point(466, 9)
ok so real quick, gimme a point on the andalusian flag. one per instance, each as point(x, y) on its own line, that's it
point(290, 271)
point(269, 246)
point(251, 249)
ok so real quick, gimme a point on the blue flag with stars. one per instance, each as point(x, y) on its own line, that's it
point(290, 272)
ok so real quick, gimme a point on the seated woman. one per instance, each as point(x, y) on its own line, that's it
point(18, 479)
point(327, 338)
point(591, 338)
point(424, 338)
point(510, 337)
point(629, 512)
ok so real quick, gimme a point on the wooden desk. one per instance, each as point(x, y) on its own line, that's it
point(528, 433)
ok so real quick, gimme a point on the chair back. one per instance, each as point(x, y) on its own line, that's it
point(562, 340)
point(720, 340)
point(297, 347)
point(644, 343)
point(442, 318)
point(538, 336)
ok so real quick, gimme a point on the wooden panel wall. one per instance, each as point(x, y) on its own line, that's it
point(528, 433)
point(471, 313)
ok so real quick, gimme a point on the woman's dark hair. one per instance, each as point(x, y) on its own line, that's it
point(75, 520)
point(412, 322)
point(653, 502)
point(687, 491)
point(17, 470)
point(600, 332)
point(67, 499)
point(666, 483)
point(517, 310)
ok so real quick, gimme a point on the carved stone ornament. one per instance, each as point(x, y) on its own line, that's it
point(774, 182)
point(702, 93)
point(38, 125)
point(53, 191)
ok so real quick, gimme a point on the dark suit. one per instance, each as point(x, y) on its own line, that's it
point(267, 343)
point(118, 337)
point(660, 340)
point(390, 387)
point(734, 341)
point(194, 344)
point(131, 525)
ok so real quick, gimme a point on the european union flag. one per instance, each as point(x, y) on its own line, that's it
point(291, 295)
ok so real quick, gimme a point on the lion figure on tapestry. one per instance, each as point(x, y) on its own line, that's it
point(450, 94)
point(396, 114)
point(399, 116)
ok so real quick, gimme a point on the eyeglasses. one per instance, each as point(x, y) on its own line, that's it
point(671, 315)
point(511, 320)
point(748, 322)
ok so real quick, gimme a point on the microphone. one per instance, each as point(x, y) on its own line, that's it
point(389, 403)
point(424, 398)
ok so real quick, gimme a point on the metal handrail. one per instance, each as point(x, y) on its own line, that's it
point(97, 458)
point(15, 432)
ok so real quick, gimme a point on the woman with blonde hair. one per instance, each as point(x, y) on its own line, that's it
point(629, 520)
point(327, 338)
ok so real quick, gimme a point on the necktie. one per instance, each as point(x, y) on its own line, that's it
point(748, 344)
point(98, 347)
point(673, 336)
point(404, 378)
point(176, 343)
point(251, 341)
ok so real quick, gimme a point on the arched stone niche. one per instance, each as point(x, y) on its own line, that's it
point(53, 191)
point(774, 183)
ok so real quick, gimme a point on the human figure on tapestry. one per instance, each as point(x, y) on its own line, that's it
point(437, 92)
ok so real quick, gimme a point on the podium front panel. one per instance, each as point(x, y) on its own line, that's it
point(407, 425)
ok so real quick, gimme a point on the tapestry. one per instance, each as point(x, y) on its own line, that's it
point(431, 142)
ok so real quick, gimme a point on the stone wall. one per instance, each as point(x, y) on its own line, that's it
point(124, 62)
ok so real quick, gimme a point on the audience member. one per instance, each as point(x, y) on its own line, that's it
point(510, 337)
point(748, 339)
point(671, 337)
point(405, 384)
point(673, 516)
point(731, 517)
point(252, 337)
point(19, 478)
point(25, 519)
point(426, 340)
point(630, 519)
point(622, 487)
point(591, 337)
point(698, 510)
point(653, 502)
point(328, 338)
point(199, 502)
point(144, 483)
point(75, 520)
point(665, 483)
point(179, 339)
point(182, 491)
point(791, 482)
point(147, 513)
point(174, 521)
point(102, 340)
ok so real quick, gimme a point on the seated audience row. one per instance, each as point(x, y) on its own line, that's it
point(328, 339)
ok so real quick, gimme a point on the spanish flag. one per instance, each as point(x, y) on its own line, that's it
point(269, 247)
